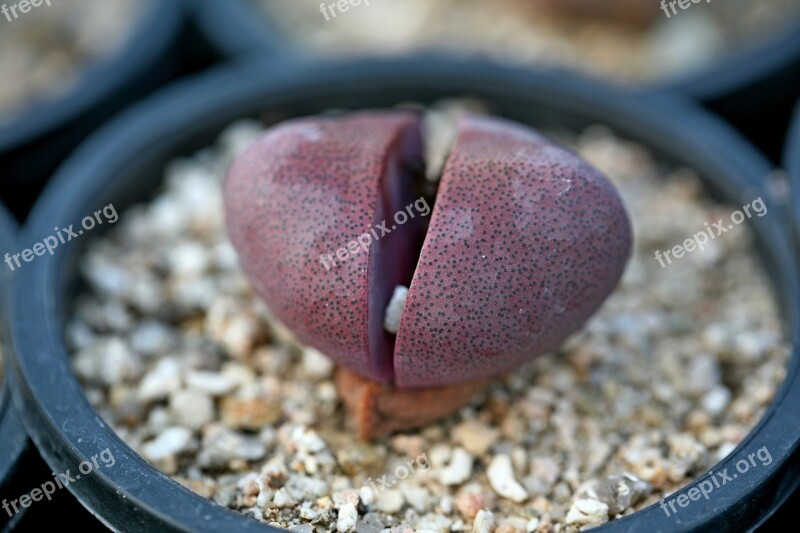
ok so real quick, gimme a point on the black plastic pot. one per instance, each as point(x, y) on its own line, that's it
point(235, 28)
point(791, 162)
point(14, 441)
point(754, 89)
point(136, 146)
point(33, 145)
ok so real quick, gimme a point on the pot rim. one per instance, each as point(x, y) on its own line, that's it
point(150, 39)
point(14, 442)
point(792, 165)
point(66, 428)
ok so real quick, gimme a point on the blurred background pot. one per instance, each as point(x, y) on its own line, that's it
point(135, 147)
point(233, 29)
point(36, 135)
point(754, 90)
point(752, 86)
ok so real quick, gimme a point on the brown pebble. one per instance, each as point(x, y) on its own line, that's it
point(358, 457)
point(468, 504)
point(249, 413)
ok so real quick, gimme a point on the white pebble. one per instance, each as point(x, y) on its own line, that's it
point(170, 442)
point(151, 338)
point(307, 513)
point(501, 477)
point(238, 333)
point(191, 409)
point(283, 499)
point(221, 445)
point(439, 455)
point(118, 363)
point(158, 420)
point(307, 440)
point(446, 504)
point(484, 522)
point(752, 346)
point(367, 495)
point(459, 470)
point(716, 400)
point(703, 374)
point(391, 320)
point(212, 383)
point(476, 437)
point(240, 374)
point(240, 135)
point(265, 494)
point(417, 497)
point(685, 43)
point(188, 259)
point(162, 380)
point(345, 495)
point(586, 512)
point(306, 487)
point(348, 515)
point(433, 523)
point(104, 275)
point(79, 335)
point(390, 501)
point(724, 450)
point(315, 364)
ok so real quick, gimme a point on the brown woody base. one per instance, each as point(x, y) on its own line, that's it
point(379, 409)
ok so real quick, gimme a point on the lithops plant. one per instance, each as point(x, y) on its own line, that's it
point(423, 260)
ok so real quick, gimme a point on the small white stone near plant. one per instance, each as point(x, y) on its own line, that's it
point(501, 477)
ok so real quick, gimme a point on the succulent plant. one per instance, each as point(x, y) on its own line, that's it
point(522, 244)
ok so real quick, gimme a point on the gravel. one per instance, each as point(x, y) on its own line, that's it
point(43, 52)
point(524, 31)
point(673, 371)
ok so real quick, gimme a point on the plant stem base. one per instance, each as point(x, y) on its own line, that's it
point(379, 409)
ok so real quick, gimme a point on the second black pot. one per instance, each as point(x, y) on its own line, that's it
point(35, 143)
